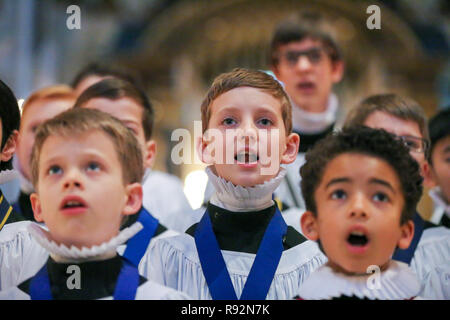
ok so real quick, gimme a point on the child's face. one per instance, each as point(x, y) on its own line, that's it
point(399, 127)
point(36, 113)
point(440, 170)
point(359, 203)
point(130, 114)
point(81, 195)
point(308, 78)
point(249, 134)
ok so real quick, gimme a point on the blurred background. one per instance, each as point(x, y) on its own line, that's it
point(177, 47)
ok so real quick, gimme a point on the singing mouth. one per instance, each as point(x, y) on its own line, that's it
point(246, 157)
point(358, 239)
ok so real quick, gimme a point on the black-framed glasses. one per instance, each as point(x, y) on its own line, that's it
point(314, 55)
point(415, 144)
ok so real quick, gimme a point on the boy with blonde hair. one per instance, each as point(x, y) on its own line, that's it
point(242, 247)
point(87, 168)
point(41, 105)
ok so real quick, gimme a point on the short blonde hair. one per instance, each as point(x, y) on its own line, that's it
point(240, 77)
point(56, 92)
point(75, 122)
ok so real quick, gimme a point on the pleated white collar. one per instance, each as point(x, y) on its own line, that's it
point(397, 282)
point(309, 122)
point(64, 254)
point(241, 199)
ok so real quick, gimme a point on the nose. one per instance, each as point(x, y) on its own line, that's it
point(248, 131)
point(73, 180)
point(303, 63)
point(359, 207)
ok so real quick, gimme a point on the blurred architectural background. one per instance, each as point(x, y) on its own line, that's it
point(178, 47)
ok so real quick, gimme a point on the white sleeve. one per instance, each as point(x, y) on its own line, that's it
point(20, 255)
point(431, 262)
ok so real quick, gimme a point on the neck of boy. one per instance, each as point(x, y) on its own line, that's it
point(337, 268)
point(243, 199)
point(310, 122)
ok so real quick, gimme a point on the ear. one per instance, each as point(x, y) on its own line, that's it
point(150, 153)
point(337, 71)
point(308, 222)
point(427, 174)
point(291, 151)
point(133, 199)
point(202, 149)
point(36, 206)
point(10, 146)
point(275, 70)
point(407, 234)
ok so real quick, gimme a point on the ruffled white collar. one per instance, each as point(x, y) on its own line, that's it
point(308, 122)
point(241, 199)
point(8, 175)
point(438, 199)
point(398, 282)
point(61, 253)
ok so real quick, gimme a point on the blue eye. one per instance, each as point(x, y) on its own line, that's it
point(338, 194)
point(380, 197)
point(54, 170)
point(265, 122)
point(228, 121)
point(93, 166)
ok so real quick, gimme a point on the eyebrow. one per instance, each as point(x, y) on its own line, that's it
point(371, 181)
point(337, 180)
point(382, 182)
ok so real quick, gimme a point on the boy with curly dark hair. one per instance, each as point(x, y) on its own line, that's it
point(361, 188)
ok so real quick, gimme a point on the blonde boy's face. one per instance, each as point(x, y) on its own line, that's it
point(130, 114)
point(246, 139)
point(81, 195)
point(359, 204)
point(36, 113)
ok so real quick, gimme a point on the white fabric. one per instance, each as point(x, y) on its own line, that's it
point(441, 207)
point(149, 290)
point(241, 199)
point(164, 198)
point(62, 253)
point(176, 264)
point(311, 122)
point(8, 175)
point(21, 256)
point(431, 263)
point(397, 282)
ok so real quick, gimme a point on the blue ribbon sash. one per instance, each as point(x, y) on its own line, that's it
point(126, 285)
point(137, 245)
point(262, 271)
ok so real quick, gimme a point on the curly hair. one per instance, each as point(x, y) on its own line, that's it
point(373, 142)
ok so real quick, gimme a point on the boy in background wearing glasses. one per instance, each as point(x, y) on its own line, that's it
point(429, 252)
point(306, 59)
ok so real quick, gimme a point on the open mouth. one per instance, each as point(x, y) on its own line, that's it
point(306, 85)
point(73, 205)
point(357, 239)
point(246, 157)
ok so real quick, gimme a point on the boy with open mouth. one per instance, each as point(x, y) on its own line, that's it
point(361, 188)
point(86, 168)
point(242, 247)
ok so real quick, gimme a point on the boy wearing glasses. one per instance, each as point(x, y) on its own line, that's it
point(306, 59)
point(430, 247)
